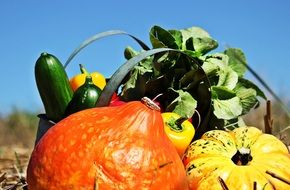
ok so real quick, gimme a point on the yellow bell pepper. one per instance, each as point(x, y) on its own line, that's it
point(98, 79)
point(179, 130)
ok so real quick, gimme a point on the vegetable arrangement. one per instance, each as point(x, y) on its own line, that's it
point(169, 118)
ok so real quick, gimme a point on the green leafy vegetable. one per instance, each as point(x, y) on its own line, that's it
point(177, 35)
point(215, 62)
point(198, 40)
point(222, 93)
point(162, 38)
point(248, 98)
point(184, 83)
point(134, 88)
point(194, 32)
point(201, 45)
point(184, 104)
point(248, 84)
point(227, 109)
point(227, 78)
point(237, 60)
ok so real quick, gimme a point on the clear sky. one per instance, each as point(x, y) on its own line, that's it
point(261, 28)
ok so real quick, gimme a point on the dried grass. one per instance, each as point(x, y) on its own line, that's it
point(13, 165)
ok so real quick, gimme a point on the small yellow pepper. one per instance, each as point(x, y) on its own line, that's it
point(98, 79)
point(179, 130)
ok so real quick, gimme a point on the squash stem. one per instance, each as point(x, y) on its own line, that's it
point(242, 157)
point(83, 70)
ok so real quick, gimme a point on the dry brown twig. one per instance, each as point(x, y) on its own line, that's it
point(268, 119)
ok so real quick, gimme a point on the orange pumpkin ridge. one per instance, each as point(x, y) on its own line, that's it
point(122, 147)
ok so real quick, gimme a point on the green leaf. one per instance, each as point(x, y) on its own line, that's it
point(164, 62)
point(157, 86)
point(218, 60)
point(227, 109)
point(234, 123)
point(217, 65)
point(222, 93)
point(192, 53)
point(130, 52)
point(160, 37)
point(248, 84)
point(227, 78)
point(177, 36)
point(201, 45)
point(194, 33)
point(134, 88)
point(247, 97)
point(184, 104)
point(237, 60)
point(210, 68)
point(190, 79)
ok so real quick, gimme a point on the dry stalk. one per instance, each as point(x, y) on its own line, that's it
point(268, 119)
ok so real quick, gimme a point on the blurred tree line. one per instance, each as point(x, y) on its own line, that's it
point(18, 128)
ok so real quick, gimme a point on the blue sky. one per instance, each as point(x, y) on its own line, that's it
point(260, 28)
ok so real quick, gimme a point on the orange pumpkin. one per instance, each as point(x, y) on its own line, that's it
point(123, 147)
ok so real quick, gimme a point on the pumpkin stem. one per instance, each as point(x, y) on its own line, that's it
point(242, 157)
point(150, 104)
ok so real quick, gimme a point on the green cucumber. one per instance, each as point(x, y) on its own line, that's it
point(53, 86)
